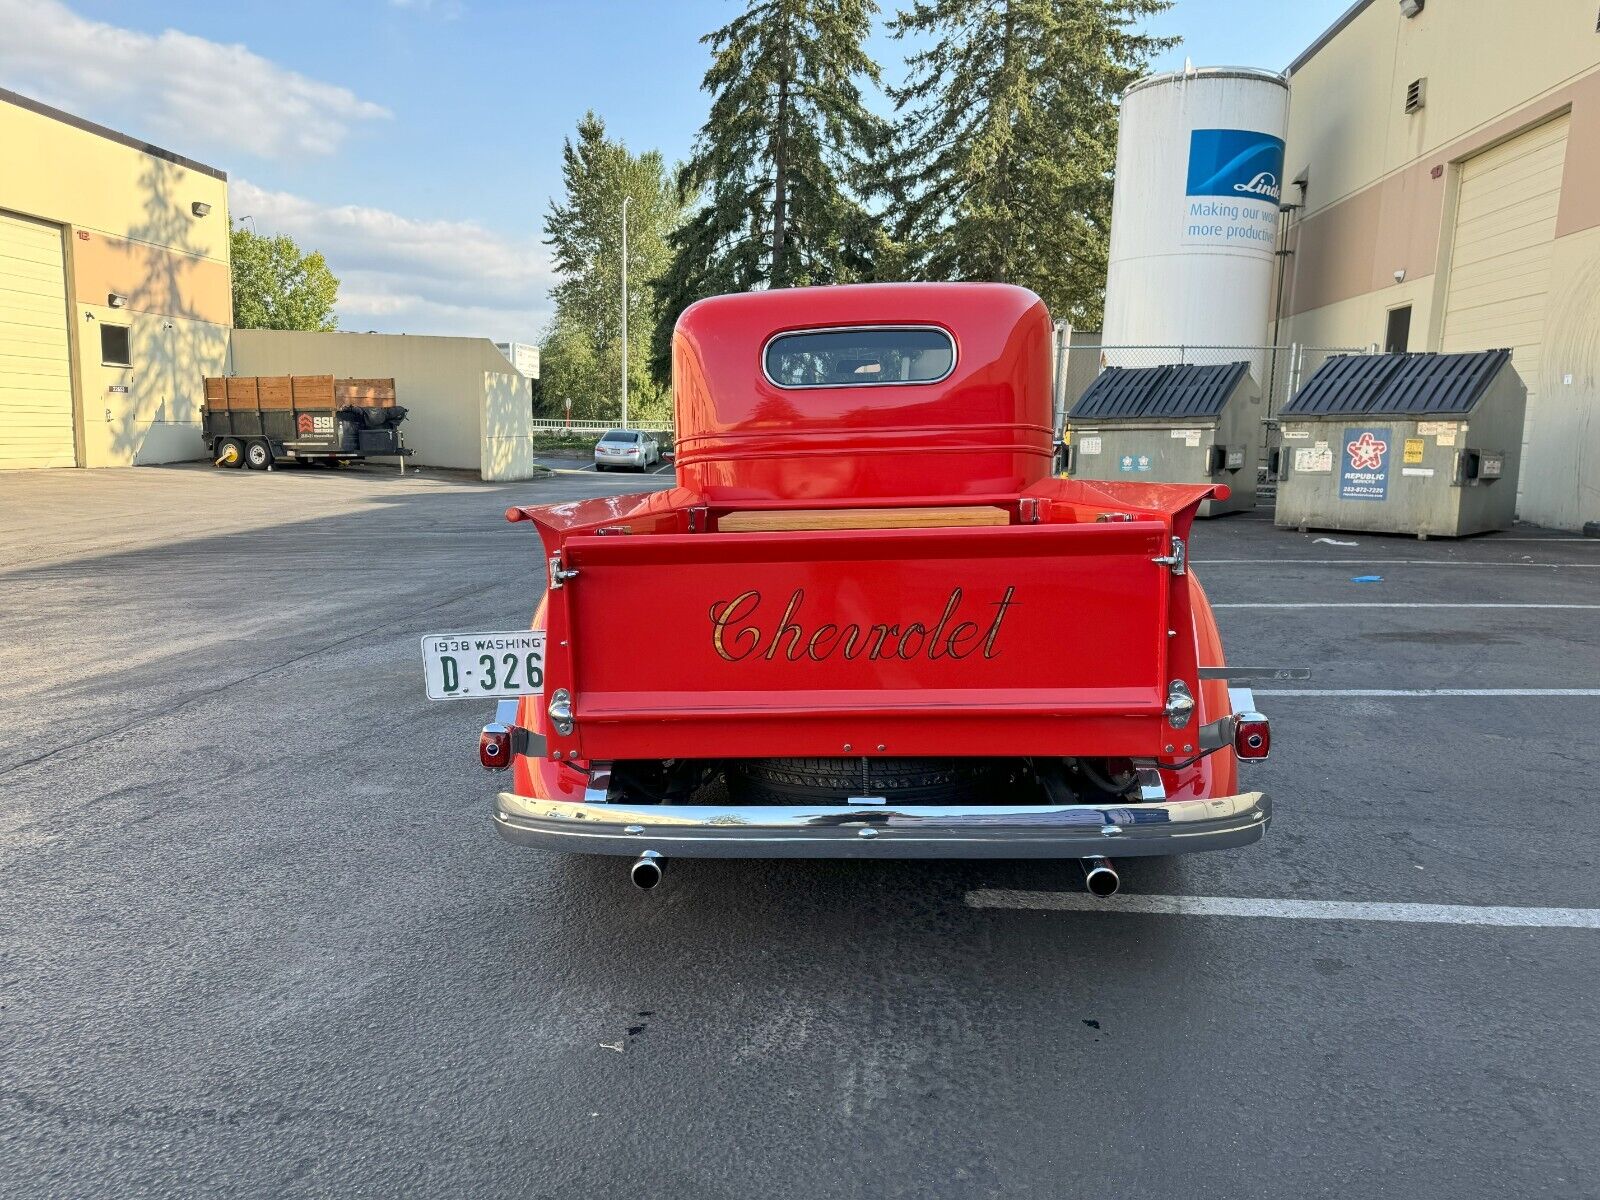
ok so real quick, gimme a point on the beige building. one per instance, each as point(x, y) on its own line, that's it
point(466, 406)
point(1444, 153)
point(115, 298)
point(116, 302)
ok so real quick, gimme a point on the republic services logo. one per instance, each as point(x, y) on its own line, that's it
point(1366, 452)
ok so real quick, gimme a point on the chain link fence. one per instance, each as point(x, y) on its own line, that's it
point(1279, 371)
point(558, 426)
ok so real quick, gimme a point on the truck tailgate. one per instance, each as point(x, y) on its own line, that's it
point(1029, 639)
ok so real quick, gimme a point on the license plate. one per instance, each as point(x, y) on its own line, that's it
point(468, 666)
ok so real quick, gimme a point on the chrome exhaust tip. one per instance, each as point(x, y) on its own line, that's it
point(646, 870)
point(1100, 876)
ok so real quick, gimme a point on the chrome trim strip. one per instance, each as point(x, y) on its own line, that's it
point(843, 831)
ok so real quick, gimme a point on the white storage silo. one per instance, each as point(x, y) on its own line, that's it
point(1194, 219)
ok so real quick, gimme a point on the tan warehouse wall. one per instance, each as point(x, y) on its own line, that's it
point(466, 407)
point(1382, 197)
point(127, 228)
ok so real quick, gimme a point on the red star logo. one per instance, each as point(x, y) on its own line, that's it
point(1366, 453)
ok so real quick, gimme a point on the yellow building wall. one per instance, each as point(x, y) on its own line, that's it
point(130, 230)
point(1564, 445)
point(466, 407)
point(1482, 59)
point(1382, 188)
point(505, 447)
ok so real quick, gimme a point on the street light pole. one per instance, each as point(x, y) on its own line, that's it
point(625, 200)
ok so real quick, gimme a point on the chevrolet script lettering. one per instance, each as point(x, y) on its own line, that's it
point(738, 633)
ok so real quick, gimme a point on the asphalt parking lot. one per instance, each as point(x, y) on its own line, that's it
point(260, 939)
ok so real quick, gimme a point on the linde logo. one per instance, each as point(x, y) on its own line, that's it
point(1264, 184)
point(1234, 163)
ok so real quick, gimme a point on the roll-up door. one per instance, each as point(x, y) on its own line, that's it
point(1500, 258)
point(35, 363)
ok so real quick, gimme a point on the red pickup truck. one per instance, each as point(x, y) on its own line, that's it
point(868, 622)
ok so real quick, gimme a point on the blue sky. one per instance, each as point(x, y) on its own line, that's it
point(417, 142)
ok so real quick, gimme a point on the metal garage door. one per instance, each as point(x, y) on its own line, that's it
point(35, 365)
point(1500, 258)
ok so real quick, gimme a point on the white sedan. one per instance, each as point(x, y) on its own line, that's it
point(627, 448)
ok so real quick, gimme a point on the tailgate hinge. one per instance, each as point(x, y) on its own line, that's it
point(1177, 560)
point(559, 574)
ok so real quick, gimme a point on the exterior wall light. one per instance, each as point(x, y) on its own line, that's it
point(1400, 275)
point(116, 300)
point(199, 208)
point(1410, 8)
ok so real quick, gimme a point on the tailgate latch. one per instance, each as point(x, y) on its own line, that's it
point(1180, 704)
point(559, 574)
point(1177, 560)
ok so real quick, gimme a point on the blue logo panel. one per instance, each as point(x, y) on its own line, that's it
point(1364, 473)
point(1236, 163)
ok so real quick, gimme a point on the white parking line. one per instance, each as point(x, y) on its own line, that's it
point(1337, 604)
point(1378, 562)
point(1303, 910)
point(1383, 692)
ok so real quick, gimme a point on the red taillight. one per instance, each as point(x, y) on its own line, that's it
point(1252, 737)
point(494, 748)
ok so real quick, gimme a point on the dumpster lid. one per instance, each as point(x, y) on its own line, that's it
point(1418, 384)
point(1147, 393)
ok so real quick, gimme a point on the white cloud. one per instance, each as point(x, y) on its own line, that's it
point(196, 93)
point(445, 10)
point(402, 275)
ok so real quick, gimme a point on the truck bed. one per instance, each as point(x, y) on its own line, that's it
point(1049, 635)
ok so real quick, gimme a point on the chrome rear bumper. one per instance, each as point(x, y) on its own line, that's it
point(850, 831)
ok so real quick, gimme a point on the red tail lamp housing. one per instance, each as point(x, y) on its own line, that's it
point(1252, 737)
point(494, 747)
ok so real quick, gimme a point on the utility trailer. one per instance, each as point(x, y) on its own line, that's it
point(880, 627)
point(255, 420)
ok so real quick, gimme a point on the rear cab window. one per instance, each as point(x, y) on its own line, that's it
point(861, 356)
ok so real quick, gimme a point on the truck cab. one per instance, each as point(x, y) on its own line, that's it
point(881, 627)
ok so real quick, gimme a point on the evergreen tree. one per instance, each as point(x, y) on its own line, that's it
point(1007, 140)
point(581, 354)
point(779, 165)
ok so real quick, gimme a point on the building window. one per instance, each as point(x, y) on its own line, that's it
point(114, 346)
point(1398, 336)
